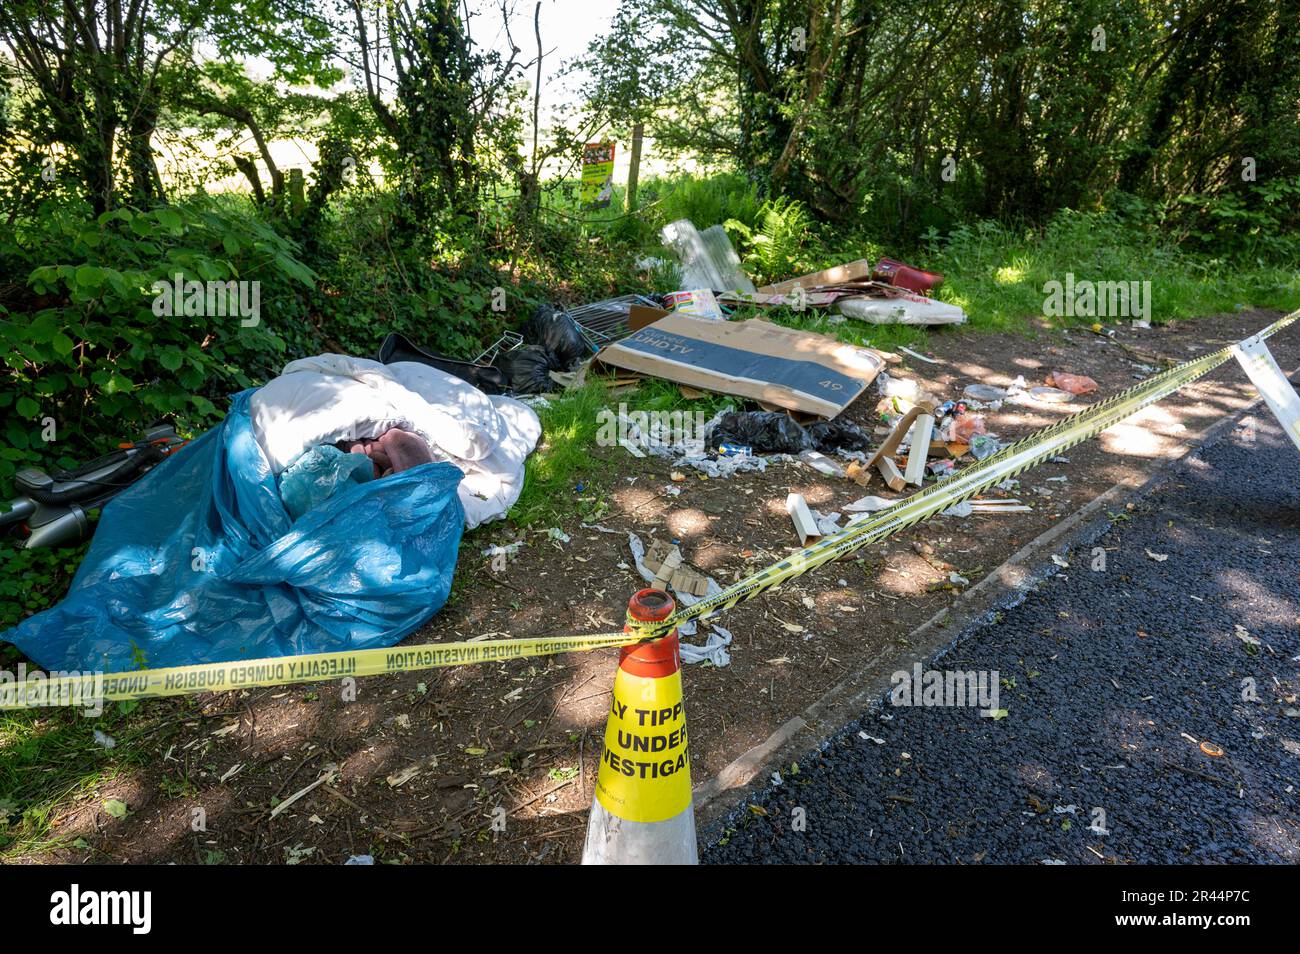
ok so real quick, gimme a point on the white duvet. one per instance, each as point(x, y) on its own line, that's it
point(333, 397)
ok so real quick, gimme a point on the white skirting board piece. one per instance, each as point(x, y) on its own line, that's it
point(921, 432)
point(804, 523)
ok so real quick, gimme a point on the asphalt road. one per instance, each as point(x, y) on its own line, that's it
point(1121, 687)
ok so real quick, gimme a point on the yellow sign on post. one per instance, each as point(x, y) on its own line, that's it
point(597, 175)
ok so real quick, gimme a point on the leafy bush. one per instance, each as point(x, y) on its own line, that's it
point(89, 361)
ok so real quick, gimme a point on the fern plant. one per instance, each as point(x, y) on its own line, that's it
point(779, 245)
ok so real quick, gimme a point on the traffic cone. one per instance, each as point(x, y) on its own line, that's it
point(642, 812)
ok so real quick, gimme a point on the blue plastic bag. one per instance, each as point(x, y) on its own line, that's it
point(318, 475)
point(199, 562)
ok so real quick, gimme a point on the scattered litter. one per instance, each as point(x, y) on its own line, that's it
point(883, 458)
point(966, 426)
point(805, 524)
point(827, 523)
point(555, 533)
point(984, 392)
point(726, 449)
point(822, 464)
point(968, 507)
point(919, 357)
point(509, 550)
point(700, 303)
point(1072, 383)
point(868, 504)
point(102, 739)
point(891, 387)
point(1158, 557)
point(1060, 560)
point(870, 738)
point(714, 650)
point(1212, 750)
point(902, 275)
point(360, 860)
point(664, 560)
point(1050, 395)
point(984, 445)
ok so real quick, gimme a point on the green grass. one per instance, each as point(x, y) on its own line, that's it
point(997, 273)
point(49, 759)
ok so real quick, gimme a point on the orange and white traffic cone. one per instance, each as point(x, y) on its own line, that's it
point(642, 812)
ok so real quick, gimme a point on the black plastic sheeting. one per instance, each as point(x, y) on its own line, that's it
point(775, 432)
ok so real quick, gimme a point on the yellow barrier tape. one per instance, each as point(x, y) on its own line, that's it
point(72, 689)
point(83, 689)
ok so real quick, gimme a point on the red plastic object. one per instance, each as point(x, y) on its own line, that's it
point(902, 275)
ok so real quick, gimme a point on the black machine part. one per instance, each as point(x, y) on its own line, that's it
point(52, 508)
point(398, 347)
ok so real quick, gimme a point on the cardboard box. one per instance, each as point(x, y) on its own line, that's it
point(795, 370)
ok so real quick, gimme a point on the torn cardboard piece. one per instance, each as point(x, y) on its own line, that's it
point(789, 369)
point(665, 561)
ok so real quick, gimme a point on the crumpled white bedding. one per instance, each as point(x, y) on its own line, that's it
point(334, 397)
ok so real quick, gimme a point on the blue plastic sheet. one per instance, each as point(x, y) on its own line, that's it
point(199, 562)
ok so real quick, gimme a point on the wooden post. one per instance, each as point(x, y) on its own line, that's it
point(297, 200)
point(634, 166)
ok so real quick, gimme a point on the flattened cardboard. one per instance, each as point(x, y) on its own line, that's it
point(847, 272)
point(638, 316)
point(794, 370)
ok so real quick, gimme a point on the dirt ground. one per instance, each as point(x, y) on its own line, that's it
point(419, 767)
